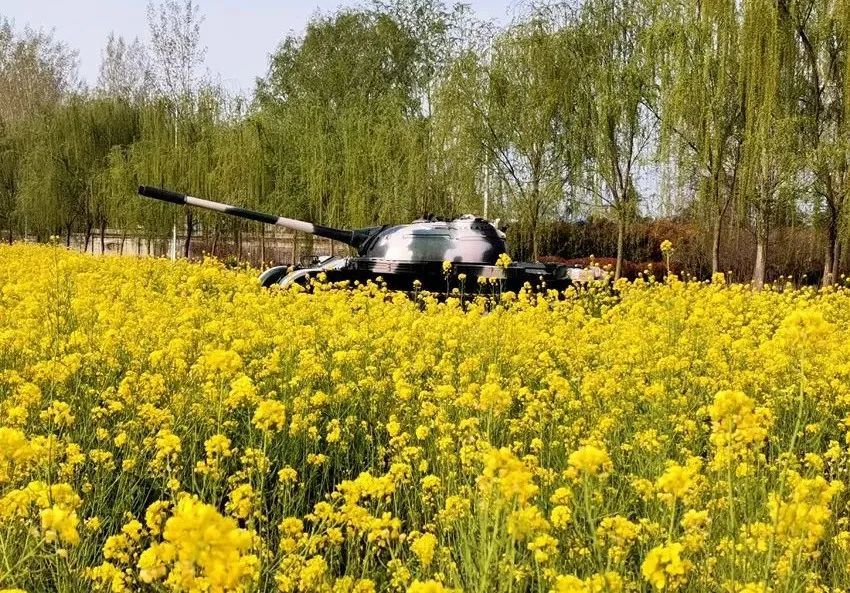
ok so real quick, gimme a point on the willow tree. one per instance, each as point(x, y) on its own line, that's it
point(701, 102)
point(613, 52)
point(340, 112)
point(59, 163)
point(156, 159)
point(510, 103)
point(461, 139)
point(175, 149)
point(36, 73)
point(118, 183)
point(123, 85)
point(527, 127)
point(39, 184)
point(769, 163)
point(237, 174)
point(9, 167)
point(441, 32)
point(822, 30)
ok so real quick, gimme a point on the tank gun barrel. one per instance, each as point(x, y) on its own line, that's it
point(354, 238)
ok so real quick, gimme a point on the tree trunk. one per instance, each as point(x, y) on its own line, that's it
point(621, 235)
point(103, 236)
point(187, 245)
point(89, 227)
point(831, 245)
point(535, 218)
point(262, 245)
point(836, 259)
point(121, 243)
point(10, 234)
point(239, 242)
point(715, 244)
point(294, 247)
point(68, 235)
point(534, 240)
point(761, 257)
point(215, 241)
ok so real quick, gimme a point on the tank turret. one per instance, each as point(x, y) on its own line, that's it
point(401, 255)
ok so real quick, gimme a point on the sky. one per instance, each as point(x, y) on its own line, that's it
point(239, 34)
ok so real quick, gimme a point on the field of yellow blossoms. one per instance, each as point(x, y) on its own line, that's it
point(174, 427)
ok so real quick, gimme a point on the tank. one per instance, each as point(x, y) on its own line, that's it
point(405, 256)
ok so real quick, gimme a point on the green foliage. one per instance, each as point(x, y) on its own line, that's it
point(340, 112)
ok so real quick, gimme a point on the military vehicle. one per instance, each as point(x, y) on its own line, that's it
point(428, 254)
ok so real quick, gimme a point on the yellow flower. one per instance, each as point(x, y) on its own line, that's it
point(58, 413)
point(373, 426)
point(393, 427)
point(168, 447)
point(664, 567)
point(287, 475)
point(153, 562)
point(92, 524)
point(609, 582)
point(225, 362)
point(59, 525)
point(200, 546)
point(334, 431)
point(569, 584)
point(618, 531)
point(738, 427)
point(218, 445)
point(561, 516)
point(677, 481)
point(155, 516)
point(526, 522)
point(241, 501)
point(753, 588)
point(270, 415)
point(313, 574)
point(429, 587)
point(590, 460)
point(694, 520)
point(424, 547)
point(544, 546)
point(107, 576)
point(802, 520)
point(511, 477)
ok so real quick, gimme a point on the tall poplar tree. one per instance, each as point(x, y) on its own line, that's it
point(177, 55)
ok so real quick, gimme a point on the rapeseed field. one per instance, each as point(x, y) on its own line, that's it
point(174, 427)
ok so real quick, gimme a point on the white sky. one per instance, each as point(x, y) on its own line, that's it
point(239, 35)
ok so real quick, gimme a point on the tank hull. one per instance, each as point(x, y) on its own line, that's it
point(417, 275)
